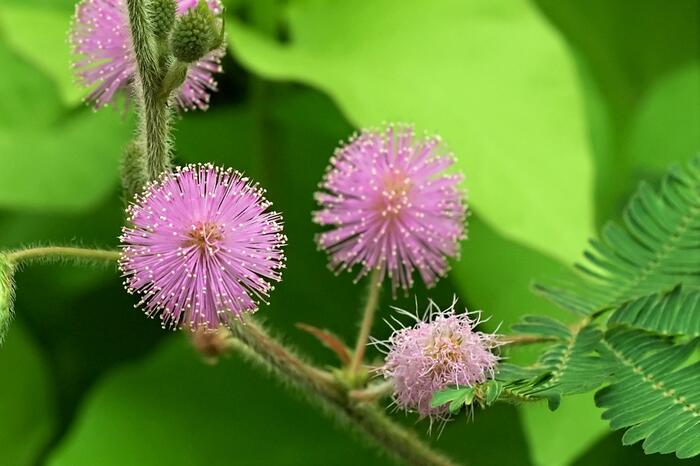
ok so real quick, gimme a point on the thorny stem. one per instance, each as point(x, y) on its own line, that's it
point(366, 418)
point(367, 321)
point(61, 252)
point(154, 112)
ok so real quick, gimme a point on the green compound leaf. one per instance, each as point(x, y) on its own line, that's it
point(673, 313)
point(492, 390)
point(7, 295)
point(657, 247)
point(455, 396)
point(569, 366)
point(655, 393)
point(472, 72)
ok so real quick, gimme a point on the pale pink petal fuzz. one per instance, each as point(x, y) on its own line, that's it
point(440, 351)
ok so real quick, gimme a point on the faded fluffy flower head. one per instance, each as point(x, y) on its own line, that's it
point(440, 350)
point(391, 206)
point(201, 247)
point(106, 60)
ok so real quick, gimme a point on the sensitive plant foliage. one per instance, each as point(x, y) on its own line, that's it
point(391, 206)
point(655, 391)
point(201, 247)
point(106, 61)
point(569, 365)
point(673, 313)
point(656, 248)
point(642, 350)
point(442, 349)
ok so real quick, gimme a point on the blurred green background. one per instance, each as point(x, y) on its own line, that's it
point(554, 108)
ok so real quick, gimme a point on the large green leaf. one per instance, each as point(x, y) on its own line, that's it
point(28, 99)
point(490, 76)
point(666, 129)
point(673, 313)
point(627, 52)
point(27, 417)
point(488, 261)
point(658, 37)
point(49, 158)
point(48, 49)
point(655, 394)
point(84, 150)
point(657, 248)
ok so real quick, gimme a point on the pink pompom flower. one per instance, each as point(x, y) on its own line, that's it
point(392, 207)
point(440, 350)
point(201, 247)
point(106, 61)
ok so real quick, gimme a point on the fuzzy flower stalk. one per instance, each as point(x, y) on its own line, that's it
point(201, 247)
point(7, 294)
point(442, 349)
point(106, 61)
point(391, 206)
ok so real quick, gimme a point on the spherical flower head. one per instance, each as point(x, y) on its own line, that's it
point(439, 351)
point(201, 247)
point(392, 206)
point(106, 61)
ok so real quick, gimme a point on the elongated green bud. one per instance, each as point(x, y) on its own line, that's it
point(195, 34)
point(162, 16)
point(7, 294)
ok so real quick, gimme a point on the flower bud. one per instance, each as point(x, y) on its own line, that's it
point(7, 294)
point(162, 15)
point(195, 34)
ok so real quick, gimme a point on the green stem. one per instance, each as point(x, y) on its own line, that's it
point(367, 321)
point(393, 439)
point(373, 392)
point(155, 113)
point(515, 340)
point(60, 252)
point(133, 170)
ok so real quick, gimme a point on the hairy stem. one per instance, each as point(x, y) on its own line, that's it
point(373, 392)
point(393, 439)
point(133, 170)
point(367, 321)
point(61, 252)
point(155, 113)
